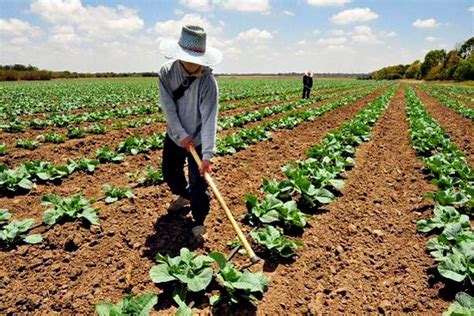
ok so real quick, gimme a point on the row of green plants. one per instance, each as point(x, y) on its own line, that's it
point(308, 184)
point(459, 92)
point(286, 204)
point(78, 132)
point(25, 98)
point(257, 115)
point(454, 104)
point(192, 273)
point(23, 177)
point(66, 120)
point(453, 247)
point(242, 139)
point(325, 88)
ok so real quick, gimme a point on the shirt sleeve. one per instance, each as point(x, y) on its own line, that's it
point(209, 109)
point(169, 108)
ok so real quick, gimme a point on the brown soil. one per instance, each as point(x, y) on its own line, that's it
point(78, 266)
point(460, 129)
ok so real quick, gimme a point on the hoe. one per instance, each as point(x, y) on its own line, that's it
point(253, 257)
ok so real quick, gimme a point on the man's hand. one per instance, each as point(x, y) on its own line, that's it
point(187, 143)
point(206, 167)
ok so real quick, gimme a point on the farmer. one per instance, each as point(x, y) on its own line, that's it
point(307, 84)
point(189, 99)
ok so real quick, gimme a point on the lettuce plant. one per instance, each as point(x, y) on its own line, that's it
point(113, 194)
point(69, 208)
point(462, 306)
point(27, 144)
point(239, 286)
point(107, 155)
point(16, 231)
point(188, 269)
point(274, 240)
point(15, 179)
point(3, 149)
point(273, 210)
point(139, 305)
point(83, 164)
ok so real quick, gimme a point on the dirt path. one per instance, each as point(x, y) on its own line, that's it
point(460, 129)
point(77, 266)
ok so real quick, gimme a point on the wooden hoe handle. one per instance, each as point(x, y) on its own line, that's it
point(240, 235)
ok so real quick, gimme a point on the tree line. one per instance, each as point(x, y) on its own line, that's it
point(457, 64)
point(21, 72)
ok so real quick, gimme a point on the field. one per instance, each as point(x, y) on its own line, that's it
point(358, 200)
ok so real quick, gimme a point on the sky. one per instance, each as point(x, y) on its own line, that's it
point(264, 36)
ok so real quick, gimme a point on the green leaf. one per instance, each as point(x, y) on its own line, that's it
point(214, 300)
point(219, 258)
point(160, 274)
point(33, 239)
point(200, 281)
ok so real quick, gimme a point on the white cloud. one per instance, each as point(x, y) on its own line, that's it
point(388, 34)
point(172, 28)
point(328, 3)
point(354, 15)
point(337, 32)
point(255, 35)
point(197, 5)
point(471, 9)
point(302, 42)
point(99, 22)
point(289, 13)
point(19, 28)
point(364, 34)
point(64, 35)
point(245, 5)
point(316, 32)
point(431, 39)
point(332, 41)
point(425, 24)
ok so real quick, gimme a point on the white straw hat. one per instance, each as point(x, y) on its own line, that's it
point(191, 47)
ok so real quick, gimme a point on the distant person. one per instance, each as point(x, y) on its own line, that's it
point(189, 98)
point(307, 84)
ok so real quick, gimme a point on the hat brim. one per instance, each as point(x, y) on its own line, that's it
point(171, 50)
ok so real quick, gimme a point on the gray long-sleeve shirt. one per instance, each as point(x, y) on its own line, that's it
point(195, 113)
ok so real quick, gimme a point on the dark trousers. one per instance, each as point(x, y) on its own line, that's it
point(174, 158)
point(306, 92)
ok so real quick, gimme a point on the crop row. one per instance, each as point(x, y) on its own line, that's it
point(190, 272)
point(73, 133)
point(456, 105)
point(453, 248)
point(23, 177)
point(40, 97)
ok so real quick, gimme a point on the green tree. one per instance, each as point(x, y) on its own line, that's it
point(432, 59)
point(465, 69)
point(414, 70)
point(466, 48)
point(450, 65)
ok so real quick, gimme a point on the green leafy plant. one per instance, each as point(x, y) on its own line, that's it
point(106, 154)
point(462, 306)
point(444, 215)
point(273, 210)
point(15, 179)
point(133, 145)
point(152, 176)
point(16, 231)
point(27, 144)
point(97, 129)
point(274, 240)
point(37, 123)
point(188, 269)
point(68, 208)
point(76, 132)
point(83, 164)
point(139, 305)
point(113, 194)
point(239, 286)
point(52, 137)
point(44, 171)
point(3, 149)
